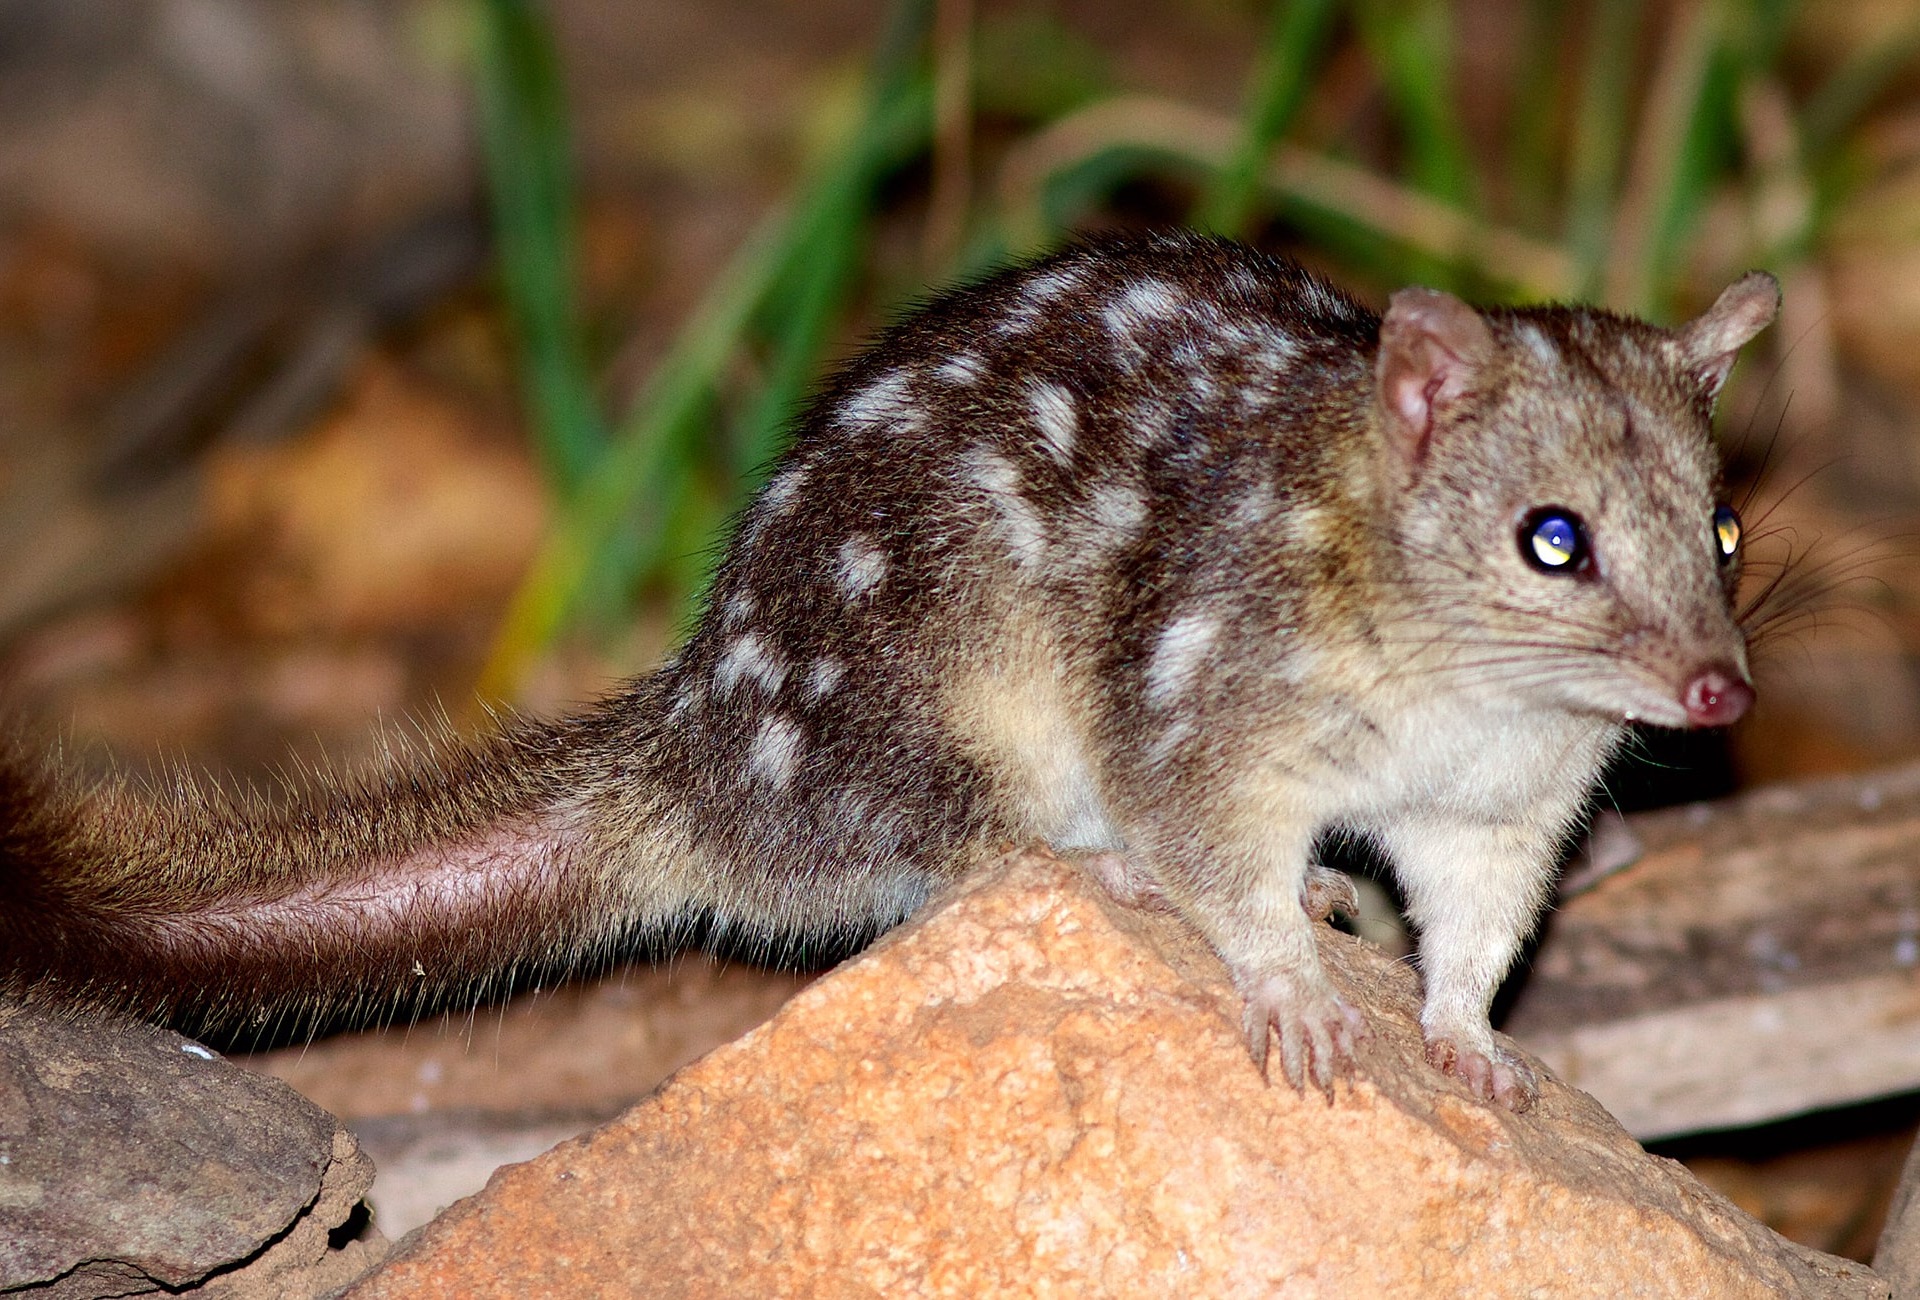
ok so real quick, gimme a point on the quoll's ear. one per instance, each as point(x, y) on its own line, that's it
point(1432, 347)
point(1709, 345)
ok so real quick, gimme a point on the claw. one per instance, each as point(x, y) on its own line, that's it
point(1293, 1055)
point(1257, 1032)
point(1491, 1073)
point(1318, 1032)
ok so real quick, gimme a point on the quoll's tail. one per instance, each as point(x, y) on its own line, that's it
point(446, 866)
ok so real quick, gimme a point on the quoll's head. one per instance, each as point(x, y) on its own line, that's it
point(1553, 500)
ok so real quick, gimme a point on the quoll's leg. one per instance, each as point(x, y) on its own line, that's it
point(1253, 909)
point(1474, 893)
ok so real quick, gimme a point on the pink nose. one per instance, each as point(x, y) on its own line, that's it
point(1716, 696)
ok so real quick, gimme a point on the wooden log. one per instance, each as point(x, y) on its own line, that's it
point(1897, 1257)
point(1761, 959)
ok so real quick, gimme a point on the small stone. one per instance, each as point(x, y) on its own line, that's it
point(135, 1162)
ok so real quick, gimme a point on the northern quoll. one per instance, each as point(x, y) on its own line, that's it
point(1158, 551)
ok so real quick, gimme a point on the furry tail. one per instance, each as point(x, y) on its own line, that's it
point(449, 865)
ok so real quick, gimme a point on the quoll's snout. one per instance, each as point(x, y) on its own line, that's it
point(1717, 695)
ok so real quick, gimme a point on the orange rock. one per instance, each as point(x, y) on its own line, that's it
point(1034, 1091)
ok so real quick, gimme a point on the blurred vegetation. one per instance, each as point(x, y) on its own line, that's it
point(1650, 151)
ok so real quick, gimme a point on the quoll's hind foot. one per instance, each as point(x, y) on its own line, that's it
point(1490, 1072)
point(1126, 880)
point(1318, 1030)
point(1328, 891)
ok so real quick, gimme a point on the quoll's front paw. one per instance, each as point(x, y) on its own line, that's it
point(1490, 1072)
point(1317, 1028)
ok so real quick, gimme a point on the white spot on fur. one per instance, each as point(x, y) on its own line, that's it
point(962, 370)
point(777, 498)
point(1255, 505)
point(1310, 527)
point(862, 566)
point(748, 659)
point(1059, 421)
point(885, 401)
point(775, 752)
point(1299, 664)
point(739, 607)
point(1118, 510)
point(1178, 653)
point(1267, 351)
point(1537, 343)
point(1030, 306)
point(886, 828)
point(1239, 336)
point(1151, 422)
point(851, 808)
point(995, 476)
point(1278, 356)
point(1045, 288)
point(1329, 302)
point(823, 675)
point(782, 489)
point(1140, 306)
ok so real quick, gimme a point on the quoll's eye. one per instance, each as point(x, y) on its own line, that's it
point(1553, 540)
point(1726, 532)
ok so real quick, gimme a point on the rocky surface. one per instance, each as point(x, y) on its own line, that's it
point(1033, 1090)
point(136, 1162)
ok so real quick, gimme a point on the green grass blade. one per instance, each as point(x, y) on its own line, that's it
point(821, 283)
point(1601, 118)
point(1533, 134)
point(1411, 44)
point(1296, 37)
point(1686, 118)
point(1707, 147)
point(1126, 135)
point(523, 133)
point(617, 525)
point(649, 455)
point(819, 258)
